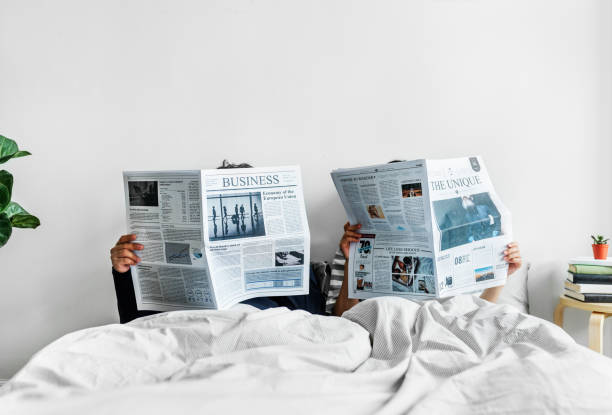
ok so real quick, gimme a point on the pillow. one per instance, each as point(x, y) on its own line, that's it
point(514, 292)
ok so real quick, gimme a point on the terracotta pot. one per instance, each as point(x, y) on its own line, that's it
point(600, 251)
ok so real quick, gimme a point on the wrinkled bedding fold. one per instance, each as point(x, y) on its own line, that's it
point(461, 355)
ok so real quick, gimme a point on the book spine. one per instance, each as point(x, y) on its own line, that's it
point(589, 278)
point(590, 269)
point(589, 288)
point(571, 286)
point(589, 298)
point(598, 298)
point(574, 295)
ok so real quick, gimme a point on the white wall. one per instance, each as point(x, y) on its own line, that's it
point(93, 88)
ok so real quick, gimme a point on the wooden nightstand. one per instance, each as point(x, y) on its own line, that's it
point(599, 312)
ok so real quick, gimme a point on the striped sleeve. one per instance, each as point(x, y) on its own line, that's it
point(335, 281)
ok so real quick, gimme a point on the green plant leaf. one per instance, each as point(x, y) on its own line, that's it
point(7, 146)
point(600, 240)
point(5, 197)
point(6, 187)
point(25, 220)
point(6, 179)
point(5, 229)
point(21, 154)
point(13, 208)
point(4, 159)
point(9, 150)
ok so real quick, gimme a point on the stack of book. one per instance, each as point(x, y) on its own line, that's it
point(589, 280)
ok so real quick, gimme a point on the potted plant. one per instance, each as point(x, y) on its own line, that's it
point(600, 247)
point(12, 215)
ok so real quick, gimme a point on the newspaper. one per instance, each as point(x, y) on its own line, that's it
point(430, 228)
point(213, 238)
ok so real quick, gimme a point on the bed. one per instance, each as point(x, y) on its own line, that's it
point(461, 355)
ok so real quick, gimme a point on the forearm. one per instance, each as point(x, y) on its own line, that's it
point(343, 303)
point(492, 294)
point(126, 298)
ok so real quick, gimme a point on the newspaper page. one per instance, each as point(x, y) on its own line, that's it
point(395, 253)
point(471, 226)
point(420, 238)
point(256, 233)
point(164, 210)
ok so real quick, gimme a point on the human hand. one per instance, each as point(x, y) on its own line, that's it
point(351, 234)
point(512, 255)
point(122, 254)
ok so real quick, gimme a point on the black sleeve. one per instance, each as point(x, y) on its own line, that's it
point(126, 298)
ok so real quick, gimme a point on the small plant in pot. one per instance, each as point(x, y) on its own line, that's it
point(600, 247)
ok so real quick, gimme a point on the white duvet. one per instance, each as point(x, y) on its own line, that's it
point(389, 355)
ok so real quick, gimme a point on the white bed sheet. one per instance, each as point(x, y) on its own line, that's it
point(387, 355)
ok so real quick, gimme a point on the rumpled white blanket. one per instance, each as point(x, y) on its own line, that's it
point(389, 355)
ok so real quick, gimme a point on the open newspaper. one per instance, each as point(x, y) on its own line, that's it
point(430, 228)
point(213, 238)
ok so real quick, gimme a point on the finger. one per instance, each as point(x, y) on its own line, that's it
point(354, 227)
point(512, 244)
point(346, 225)
point(513, 259)
point(349, 239)
point(131, 246)
point(353, 234)
point(125, 261)
point(117, 260)
point(125, 253)
point(513, 255)
point(512, 252)
point(127, 238)
point(513, 248)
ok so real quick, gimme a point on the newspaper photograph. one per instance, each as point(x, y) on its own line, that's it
point(430, 228)
point(213, 238)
